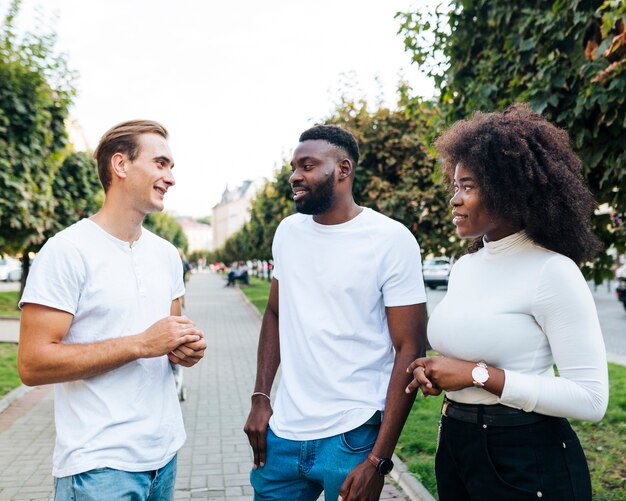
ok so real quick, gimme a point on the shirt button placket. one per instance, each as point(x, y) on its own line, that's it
point(137, 271)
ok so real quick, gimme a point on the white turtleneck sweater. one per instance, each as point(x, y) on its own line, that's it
point(522, 308)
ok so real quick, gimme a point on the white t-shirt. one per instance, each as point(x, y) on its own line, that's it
point(129, 418)
point(522, 308)
point(336, 353)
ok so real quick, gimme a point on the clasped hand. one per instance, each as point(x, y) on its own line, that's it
point(434, 374)
point(188, 354)
point(177, 337)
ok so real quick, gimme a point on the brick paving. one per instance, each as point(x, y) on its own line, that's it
point(215, 461)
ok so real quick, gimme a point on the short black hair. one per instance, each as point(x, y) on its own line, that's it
point(335, 135)
point(528, 175)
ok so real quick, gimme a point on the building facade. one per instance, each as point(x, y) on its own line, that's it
point(233, 210)
point(199, 235)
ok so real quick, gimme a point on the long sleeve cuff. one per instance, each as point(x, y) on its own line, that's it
point(520, 390)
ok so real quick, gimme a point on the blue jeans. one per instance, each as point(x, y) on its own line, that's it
point(300, 470)
point(107, 484)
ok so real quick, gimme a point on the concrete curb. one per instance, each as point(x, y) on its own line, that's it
point(411, 486)
point(400, 474)
point(254, 308)
point(616, 359)
point(12, 396)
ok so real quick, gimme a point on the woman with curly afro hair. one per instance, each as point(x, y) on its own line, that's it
point(517, 305)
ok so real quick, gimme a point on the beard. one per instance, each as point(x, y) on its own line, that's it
point(318, 200)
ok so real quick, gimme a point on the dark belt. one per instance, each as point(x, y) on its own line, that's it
point(493, 415)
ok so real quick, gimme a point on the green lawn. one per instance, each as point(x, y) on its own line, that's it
point(418, 441)
point(604, 442)
point(8, 304)
point(8, 368)
point(257, 292)
point(8, 351)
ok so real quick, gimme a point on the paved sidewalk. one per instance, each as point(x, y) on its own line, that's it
point(9, 330)
point(215, 461)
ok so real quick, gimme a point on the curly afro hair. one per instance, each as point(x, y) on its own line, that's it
point(528, 175)
point(335, 135)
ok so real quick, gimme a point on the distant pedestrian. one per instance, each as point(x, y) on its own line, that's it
point(186, 274)
point(516, 305)
point(231, 276)
point(100, 319)
point(186, 266)
point(345, 317)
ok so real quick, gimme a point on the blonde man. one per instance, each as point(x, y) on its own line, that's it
point(101, 320)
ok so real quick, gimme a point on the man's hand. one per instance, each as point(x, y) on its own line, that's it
point(167, 335)
point(362, 484)
point(188, 354)
point(256, 427)
point(43, 357)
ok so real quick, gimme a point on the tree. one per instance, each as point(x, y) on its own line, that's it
point(566, 58)
point(397, 172)
point(270, 206)
point(77, 191)
point(35, 93)
point(204, 220)
point(198, 255)
point(168, 228)
point(396, 175)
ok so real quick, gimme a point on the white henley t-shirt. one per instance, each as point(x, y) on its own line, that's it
point(129, 418)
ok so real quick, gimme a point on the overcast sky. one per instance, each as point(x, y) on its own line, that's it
point(234, 82)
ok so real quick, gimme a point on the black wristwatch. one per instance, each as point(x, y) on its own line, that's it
point(383, 465)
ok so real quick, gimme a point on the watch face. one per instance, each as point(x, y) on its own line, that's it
point(480, 374)
point(385, 466)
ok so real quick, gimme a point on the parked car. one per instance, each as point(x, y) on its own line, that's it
point(15, 275)
point(436, 271)
point(10, 269)
point(620, 274)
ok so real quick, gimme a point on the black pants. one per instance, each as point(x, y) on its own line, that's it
point(542, 460)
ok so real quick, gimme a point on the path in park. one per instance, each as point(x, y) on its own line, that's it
point(215, 461)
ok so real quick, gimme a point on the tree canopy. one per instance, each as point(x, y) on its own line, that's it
point(396, 175)
point(397, 172)
point(566, 58)
point(35, 93)
point(77, 191)
point(270, 206)
point(168, 228)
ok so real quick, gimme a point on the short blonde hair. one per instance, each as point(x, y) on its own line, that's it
point(122, 138)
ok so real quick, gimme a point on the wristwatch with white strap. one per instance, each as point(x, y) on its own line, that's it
point(480, 374)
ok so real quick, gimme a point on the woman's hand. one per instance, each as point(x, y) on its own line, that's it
point(433, 374)
point(418, 369)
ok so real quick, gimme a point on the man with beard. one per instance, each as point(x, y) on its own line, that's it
point(352, 316)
